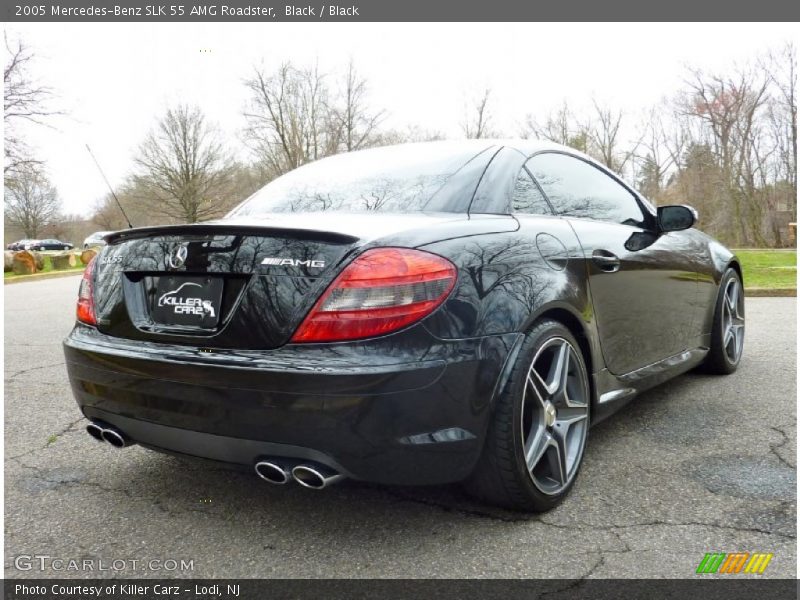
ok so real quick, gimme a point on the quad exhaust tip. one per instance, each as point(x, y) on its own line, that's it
point(272, 472)
point(115, 438)
point(107, 433)
point(315, 477)
point(94, 430)
point(310, 475)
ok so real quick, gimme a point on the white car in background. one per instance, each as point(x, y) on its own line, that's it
point(96, 239)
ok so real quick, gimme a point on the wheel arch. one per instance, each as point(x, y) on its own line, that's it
point(585, 334)
point(576, 327)
point(582, 331)
point(734, 264)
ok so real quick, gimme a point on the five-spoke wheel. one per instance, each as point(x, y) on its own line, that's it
point(733, 320)
point(727, 333)
point(555, 415)
point(535, 443)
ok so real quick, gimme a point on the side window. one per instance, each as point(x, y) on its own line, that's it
point(578, 189)
point(527, 197)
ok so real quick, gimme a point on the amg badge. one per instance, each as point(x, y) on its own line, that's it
point(293, 262)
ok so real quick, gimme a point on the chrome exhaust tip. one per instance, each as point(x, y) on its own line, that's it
point(315, 477)
point(115, 437)
point(94, 430)
point(272, 472)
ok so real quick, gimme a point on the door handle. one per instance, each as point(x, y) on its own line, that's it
point(606, 261)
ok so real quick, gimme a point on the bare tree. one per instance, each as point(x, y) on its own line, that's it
point(31, 202)
point(729, 108)
point(560, 126)
point(411, 134)
point(356, 123)
point(23, 101)
point(107, 216)
point(655, 158)
point(478, 118)
point(605, 143)
point(183, 169)
point(782, 112)
point(289, 120)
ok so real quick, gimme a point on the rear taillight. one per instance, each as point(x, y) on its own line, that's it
point(86, 296)
point(383, 290)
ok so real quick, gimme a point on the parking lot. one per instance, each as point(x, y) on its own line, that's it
point(701, 464)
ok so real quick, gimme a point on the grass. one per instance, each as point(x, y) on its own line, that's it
point(48, 268)
point(769, 269)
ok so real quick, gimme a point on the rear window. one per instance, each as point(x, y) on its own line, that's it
point(430, 177)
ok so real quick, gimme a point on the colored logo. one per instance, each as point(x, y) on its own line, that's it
point(734, 562)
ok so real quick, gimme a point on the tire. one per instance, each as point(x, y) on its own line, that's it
point(725, 353)
point(537, 420)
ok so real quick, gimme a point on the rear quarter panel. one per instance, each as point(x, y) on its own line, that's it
point(712, 260)
point(509, 279)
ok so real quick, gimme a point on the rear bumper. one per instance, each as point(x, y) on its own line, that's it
point(405, 409)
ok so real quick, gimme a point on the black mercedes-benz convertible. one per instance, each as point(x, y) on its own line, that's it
point(416, 314)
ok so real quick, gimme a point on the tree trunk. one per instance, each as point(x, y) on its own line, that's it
point(23, 263)
point(39, 258)
point(64, 261)
point(88, 255)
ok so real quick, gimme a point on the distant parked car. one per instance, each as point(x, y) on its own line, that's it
point(20, 245)
point(96, 239)
point(49, 245)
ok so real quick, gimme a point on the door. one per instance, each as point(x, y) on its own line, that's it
point(643, 291)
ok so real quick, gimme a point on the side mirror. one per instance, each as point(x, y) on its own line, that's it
point(676, 217)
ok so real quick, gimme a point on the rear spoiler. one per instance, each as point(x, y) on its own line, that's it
point(206, 229)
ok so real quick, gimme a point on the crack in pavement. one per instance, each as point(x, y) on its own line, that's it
point(23, 371)
point(450, 508)
point(477, 513)
point(154, 500)
point(578, 581)
point(774, 447)
point(70, 428)
point(600, 562)
point(713, 525)
point(488, 515)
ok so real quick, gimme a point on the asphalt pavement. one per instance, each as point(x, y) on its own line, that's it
point(700, 464)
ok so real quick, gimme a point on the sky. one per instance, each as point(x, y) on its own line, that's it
point(113, 81)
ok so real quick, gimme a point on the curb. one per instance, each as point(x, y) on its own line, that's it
point(40, 276)
point(768, 292)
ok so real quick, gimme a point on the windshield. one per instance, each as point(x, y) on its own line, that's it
point(431, 177)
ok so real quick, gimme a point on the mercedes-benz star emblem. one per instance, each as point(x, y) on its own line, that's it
point(177, 257)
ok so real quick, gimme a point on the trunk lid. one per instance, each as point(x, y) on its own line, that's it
point(233, 284)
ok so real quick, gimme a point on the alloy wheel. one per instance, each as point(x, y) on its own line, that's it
point(555, 415)
point(733, 320)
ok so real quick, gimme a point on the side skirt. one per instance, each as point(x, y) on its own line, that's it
point(614, 392)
